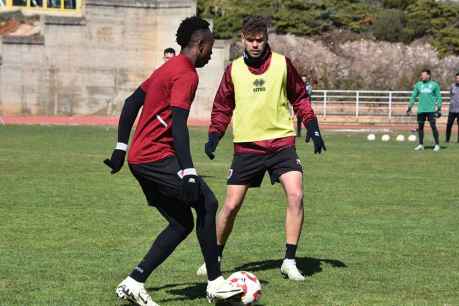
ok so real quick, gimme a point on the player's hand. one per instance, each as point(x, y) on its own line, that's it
point(438, 113)
point(190, 188)
point(211, 145)
point(116, 161)
point(314, 134)
point(408, 111)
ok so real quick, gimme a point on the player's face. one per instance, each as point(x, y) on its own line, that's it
point(425, 76)
point(205, 51)
point(168, 56)
point(457, 79)
point(254, 44)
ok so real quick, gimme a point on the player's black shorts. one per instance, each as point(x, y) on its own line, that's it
point(161, 183)
point(423, 117)
point(452, 116)
point(249, 169)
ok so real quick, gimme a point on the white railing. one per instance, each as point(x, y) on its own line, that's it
point(365, 102)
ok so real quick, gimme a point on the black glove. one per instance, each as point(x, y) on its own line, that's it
point(408, 111)
point(116, 161)
point(314, 133)
point(190, 188)
point(438, 113)
point(211, 144)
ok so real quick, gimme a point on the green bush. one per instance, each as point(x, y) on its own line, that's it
point(389, 20)
point(389, 25)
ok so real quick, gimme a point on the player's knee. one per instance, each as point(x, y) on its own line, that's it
point(212, 206)
point(184, 228)
point(231, 209)
point(295, 198)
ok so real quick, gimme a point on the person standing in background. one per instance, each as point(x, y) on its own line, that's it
point(453, 109)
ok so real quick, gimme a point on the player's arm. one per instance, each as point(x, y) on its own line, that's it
point(181, 137)
point(222, 112)
point(131, 108)
point(438, 97)
point(413, 97)
point(182, 95)
point(301, 102)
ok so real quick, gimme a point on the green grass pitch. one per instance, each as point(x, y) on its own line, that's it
point(381, 224)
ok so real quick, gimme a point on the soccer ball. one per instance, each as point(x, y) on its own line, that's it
point(250, 285)
point(385, 137)
point(400, 138)
point(412, 138)
point(371, 137)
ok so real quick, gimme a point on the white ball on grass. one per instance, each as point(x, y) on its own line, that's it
point(412, 138)
point(371, 137)
point(385, 137)
point(400, 138)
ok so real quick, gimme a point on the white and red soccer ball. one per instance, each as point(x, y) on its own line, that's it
point(250, 285)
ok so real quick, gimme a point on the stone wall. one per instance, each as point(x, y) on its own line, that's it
point(88, 65)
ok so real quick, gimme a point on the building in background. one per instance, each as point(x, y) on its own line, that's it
point(84, 57)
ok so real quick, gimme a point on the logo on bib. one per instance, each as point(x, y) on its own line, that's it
point(259, 85)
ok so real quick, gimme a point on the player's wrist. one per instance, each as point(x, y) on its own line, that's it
point(187, 172)
point(121, 146)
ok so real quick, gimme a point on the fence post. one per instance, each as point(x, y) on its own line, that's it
point(357, 102)
point(325, 103)
point(390, 105)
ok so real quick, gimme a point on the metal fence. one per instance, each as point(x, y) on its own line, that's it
point(365, 102)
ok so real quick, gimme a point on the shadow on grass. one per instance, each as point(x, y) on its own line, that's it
point(308, 265)
point(431, 147)
point(188, 291)
point(183, 291)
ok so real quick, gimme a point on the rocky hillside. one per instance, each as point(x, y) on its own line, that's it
point(363, 64)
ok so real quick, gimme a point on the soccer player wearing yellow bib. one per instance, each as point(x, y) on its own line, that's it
point(255, 93)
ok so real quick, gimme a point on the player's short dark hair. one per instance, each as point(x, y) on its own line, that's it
point(189, 26)
point(254, 24)
point(169, 50)
point(457, 74)
point(426, 71)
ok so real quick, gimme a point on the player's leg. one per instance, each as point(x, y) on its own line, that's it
point(180, 219)
point(433, 126)
point(292, 183)
point(247, 170)
point(449, 126)
point(457, 118)
point(206, 209)
point(421, 123)
point(235, 195)
point(285, 167)
point(225, 220)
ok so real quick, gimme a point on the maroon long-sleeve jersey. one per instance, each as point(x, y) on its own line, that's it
point(224, 103)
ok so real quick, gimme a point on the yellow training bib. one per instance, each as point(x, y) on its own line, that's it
point(261, 106)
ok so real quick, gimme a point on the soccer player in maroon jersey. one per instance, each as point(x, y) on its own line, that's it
point(160, 159)
point(254, 94)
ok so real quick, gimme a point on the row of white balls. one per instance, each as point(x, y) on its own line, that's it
point(386, 137)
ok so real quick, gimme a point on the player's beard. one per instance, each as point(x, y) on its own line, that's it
point(202, 61)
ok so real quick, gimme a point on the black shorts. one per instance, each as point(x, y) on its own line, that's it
point(161, 183)
point(423, 117)
point(452, 116)
point(249, 169)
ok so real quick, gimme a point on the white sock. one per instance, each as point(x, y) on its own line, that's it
point(290, 261)
point(132, 281)
point(216, 281)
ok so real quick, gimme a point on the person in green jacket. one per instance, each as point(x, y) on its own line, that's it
point(427, 92)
